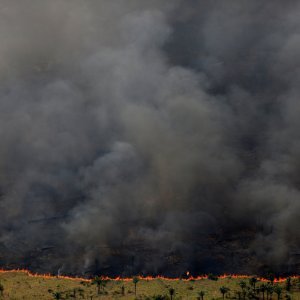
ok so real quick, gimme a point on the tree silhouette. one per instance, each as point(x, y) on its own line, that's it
point(135, 280)
point(171, 292)
point(57, 295)
point(244, 293)
point(271, 277)
point(1, 289)
point(288, 284)
point(224, 290)
point(201, 295)
point(263, 289)
point(253, 281)
point(278, 291)
point(269, 291)
point(242, 284)
point(100, 282)
point(238, 293)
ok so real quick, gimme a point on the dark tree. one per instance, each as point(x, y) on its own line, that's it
point(271, 277)
point(100, 282)
point(270, 290)
point(288, 284)
point(244, 293)
point(171, 292)
point(57, 295)
point(278, 291)
point(201, 295)
point(1, 289)
point(263, 289)
point(224, 290)
point(242, 284)
point(239, 295)
point(135, 280)
point(253, 281)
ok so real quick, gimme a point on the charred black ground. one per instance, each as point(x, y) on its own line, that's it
point(150, 137)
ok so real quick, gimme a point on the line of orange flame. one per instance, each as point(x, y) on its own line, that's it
point(147, 278)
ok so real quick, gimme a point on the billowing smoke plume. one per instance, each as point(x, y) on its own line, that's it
point(150, 136)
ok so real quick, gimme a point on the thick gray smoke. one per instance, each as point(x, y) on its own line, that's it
point(150, 136)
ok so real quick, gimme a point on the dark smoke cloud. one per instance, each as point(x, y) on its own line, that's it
point(149, 136)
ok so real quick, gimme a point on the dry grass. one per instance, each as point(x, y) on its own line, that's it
point(18, 285)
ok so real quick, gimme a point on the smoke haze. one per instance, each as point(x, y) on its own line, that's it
point(150, 136)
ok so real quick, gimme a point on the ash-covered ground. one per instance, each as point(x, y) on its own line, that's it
point(150, 136)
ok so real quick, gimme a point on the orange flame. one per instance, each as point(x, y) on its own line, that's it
point(147, 278)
